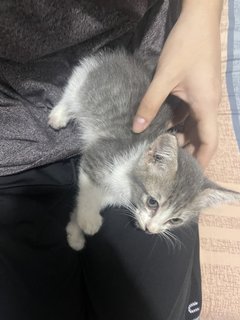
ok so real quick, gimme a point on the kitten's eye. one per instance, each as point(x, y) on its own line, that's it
point(152, 203)
point(158, 157)
point(175, 221)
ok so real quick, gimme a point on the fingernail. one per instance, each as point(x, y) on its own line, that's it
point(139, 124)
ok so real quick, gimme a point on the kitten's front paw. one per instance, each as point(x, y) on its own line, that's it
point(90, 224)
point(57, 118)
point(75, 237)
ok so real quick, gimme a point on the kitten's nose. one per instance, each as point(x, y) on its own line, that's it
point(152, 227)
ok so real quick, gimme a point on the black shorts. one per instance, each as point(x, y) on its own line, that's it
point(122, 274)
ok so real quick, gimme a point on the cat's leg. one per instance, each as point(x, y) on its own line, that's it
point(86, 216)
point(60, 114)
point(75, 236)
point(69, 105)
point(89, 205)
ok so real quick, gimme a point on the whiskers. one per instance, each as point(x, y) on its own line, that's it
point(168, 237)
point(128, 214)
point(172, 241)
point(129, 210)
point(130, 207)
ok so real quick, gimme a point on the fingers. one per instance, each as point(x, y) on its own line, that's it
point(182, 139)
point(200, 136)
point(150, 104)
point(208, 138)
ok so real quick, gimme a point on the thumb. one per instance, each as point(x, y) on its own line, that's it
point(150, 104)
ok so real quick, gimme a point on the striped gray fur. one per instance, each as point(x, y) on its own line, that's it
point(120, 167)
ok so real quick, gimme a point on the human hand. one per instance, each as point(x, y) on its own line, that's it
point(189, 68)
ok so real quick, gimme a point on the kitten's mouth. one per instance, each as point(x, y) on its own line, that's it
point(140, 227)
point(137, 225)
point(145, 228)
point(146, 224)
point(152, 229)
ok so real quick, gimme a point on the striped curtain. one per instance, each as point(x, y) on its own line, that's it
point(220, 228)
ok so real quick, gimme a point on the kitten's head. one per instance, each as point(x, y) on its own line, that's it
point(170, 189)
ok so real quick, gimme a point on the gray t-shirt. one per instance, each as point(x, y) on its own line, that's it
point(40, 42)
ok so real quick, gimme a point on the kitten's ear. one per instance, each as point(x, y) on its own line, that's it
point(164, 152)
point(214, 195)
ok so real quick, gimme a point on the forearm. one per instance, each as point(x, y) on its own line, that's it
point(211, 9)
point(198, 29)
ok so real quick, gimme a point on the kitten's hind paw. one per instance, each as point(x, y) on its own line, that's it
point(75, 236)
point(57, 118)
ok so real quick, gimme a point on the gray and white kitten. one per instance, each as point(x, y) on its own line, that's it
point(148, 173)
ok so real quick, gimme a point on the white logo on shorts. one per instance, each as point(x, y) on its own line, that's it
point(193, 307)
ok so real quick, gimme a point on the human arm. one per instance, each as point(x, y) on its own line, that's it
point(189, 67)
